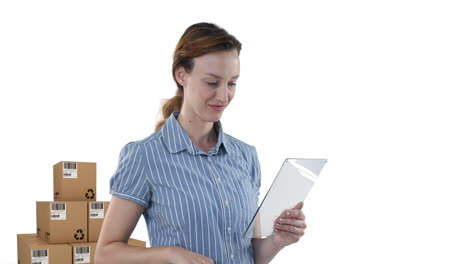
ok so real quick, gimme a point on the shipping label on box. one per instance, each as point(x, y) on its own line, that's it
point(70, 170)
point(96, 210)
point(83, 253)
point(58, 211)
point(40, 256)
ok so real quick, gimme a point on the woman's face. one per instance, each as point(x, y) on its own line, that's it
point(211, 85)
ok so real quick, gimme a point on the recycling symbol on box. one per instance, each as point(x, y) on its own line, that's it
point(79, 235)
point(89, 194)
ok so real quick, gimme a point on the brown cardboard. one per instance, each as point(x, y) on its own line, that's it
point(52, 227)
point(29, 244)
point(95, 219)
point(75, 185)
point(83, 253)
point(136, 243)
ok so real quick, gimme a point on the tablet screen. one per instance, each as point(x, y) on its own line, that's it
point(291, 186)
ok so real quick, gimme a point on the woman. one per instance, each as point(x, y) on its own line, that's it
point(196, 186)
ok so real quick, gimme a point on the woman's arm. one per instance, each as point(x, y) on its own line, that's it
point(265, 250)
point(112, 248)
point(289, 228)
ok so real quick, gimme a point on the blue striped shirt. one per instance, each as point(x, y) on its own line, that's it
point(201, 201)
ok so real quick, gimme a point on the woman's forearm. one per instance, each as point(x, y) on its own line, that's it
point(121, 253)
point(264, 249)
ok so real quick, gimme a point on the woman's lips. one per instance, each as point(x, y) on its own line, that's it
point(218, 108)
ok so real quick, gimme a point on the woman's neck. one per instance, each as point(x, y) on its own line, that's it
point(201, 133)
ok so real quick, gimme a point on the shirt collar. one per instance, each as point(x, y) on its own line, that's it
point(176, 139)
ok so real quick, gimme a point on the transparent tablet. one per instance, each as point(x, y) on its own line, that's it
point(291, 186)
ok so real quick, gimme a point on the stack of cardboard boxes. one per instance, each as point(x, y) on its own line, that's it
point(67, 228)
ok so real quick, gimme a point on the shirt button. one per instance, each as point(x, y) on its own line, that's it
point(226, 203)
point(218, 179)
point(232, 256)
point(229, 229)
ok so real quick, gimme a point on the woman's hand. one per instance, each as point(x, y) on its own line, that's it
point(289, 226)
point(183, 256)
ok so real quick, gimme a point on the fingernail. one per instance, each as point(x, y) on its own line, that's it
point(288, 213)
point(280, 220)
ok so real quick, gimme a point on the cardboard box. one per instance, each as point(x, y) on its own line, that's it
point(62, 222)
point(96, 214)
point(83, 253)
point(75, 181)
point(136, 243)
point(32, 249)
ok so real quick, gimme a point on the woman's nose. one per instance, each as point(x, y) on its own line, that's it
point(222, 93)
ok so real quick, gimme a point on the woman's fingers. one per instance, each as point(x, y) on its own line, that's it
point(293, 213)
point(297, 230)
point(290, 225)
point(291, 221)
point(299, 205)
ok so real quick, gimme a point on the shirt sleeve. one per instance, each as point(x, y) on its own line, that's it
point(256, 172)
point(130, 180)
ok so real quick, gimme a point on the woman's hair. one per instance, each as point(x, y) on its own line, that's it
point(197, 40)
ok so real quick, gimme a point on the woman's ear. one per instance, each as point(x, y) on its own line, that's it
point(181, 75)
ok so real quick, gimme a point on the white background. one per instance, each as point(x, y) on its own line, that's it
point(377, 87)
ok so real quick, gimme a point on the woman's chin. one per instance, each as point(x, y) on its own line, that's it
point(215, 117)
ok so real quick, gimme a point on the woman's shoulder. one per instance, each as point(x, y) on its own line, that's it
point(237, 143)
point(152, 139)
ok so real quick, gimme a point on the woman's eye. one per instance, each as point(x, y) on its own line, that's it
point(214, 84)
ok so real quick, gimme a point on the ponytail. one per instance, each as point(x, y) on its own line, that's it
point(172, 105)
